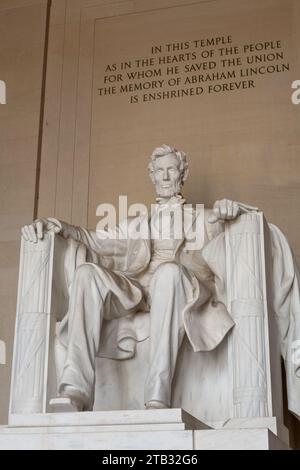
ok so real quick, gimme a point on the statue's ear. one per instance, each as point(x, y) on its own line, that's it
point(185, 174)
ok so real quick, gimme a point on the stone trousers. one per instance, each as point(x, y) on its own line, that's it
point(98, 294)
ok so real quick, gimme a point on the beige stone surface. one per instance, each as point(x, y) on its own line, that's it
point(237, 142)
point(243, 145)
point(22, 33)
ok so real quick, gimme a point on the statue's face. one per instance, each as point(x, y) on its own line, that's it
point(167, 176)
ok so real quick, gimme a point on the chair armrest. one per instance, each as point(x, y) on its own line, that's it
point(254, 357)
point(42, 298)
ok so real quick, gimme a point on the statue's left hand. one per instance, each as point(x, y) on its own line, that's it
point(225, 209)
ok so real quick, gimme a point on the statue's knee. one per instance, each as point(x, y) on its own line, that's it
point(85, 272)
point(169, 272)
point(89, 274)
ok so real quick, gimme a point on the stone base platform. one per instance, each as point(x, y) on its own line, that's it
point(170, 429)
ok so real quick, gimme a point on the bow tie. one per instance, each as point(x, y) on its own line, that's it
point(174, 200)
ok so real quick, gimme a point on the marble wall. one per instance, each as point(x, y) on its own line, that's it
point(242, 144)
point(22, 43)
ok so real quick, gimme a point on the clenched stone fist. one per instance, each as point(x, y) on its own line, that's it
point(225, 209)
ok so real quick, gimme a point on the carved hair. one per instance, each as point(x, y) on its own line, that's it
point(166, 150)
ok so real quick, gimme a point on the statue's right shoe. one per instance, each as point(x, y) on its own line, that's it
point(78, 400)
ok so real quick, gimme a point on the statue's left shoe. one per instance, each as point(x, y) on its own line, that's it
point(70, 399)
point(155, 405)
point(78, 400)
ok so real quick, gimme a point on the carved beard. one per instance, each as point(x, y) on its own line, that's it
point(172, 190)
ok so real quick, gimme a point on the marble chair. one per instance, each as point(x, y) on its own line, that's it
point(238, 384)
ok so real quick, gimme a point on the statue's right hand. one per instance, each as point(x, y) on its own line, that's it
point(36, 230)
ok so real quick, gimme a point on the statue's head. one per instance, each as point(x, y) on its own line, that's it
point(168, 170)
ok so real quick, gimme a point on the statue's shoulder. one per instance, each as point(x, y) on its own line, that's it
point(203, 213)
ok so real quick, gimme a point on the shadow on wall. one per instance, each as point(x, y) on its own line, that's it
point(2, 92)
point(2, 353)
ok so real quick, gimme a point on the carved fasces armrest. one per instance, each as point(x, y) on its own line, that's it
point(252, 357)
point(42, 298)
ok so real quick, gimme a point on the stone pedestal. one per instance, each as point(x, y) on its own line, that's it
point(238, 439)
point(170, 429)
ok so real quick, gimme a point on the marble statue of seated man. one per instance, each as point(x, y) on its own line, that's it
point(165, 276)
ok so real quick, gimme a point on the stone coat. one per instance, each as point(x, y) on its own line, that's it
point(206, 319)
